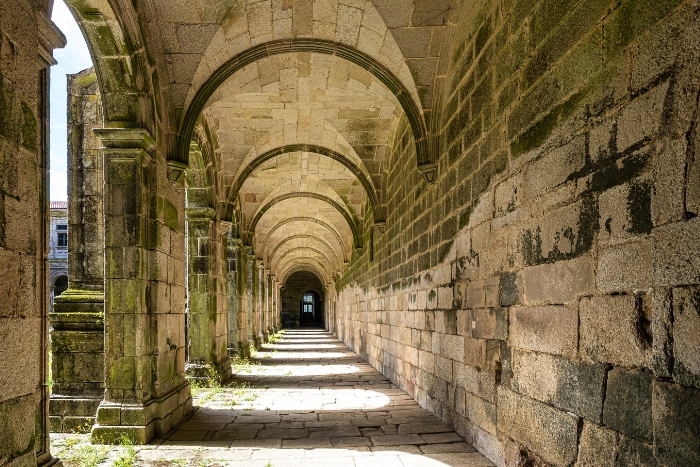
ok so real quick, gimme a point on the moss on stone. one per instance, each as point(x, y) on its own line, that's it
point(171, 215)
point(445, 250)
point(537, 134)
point(633, 18)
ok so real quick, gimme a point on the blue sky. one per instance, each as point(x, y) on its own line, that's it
point(71, 59)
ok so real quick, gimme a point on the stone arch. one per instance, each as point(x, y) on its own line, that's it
point(357, 238)
point(112, 34)
point(255, 53)
point(303, 236)
point(303, 249)
point(198, 188)
point(204, 175)
point(323, 224)
point(361, 176)
point(305, 266)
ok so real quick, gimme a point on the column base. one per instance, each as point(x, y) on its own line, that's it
point(207, 373)
point(141, 422)
point(47, 460)
point(73, 414)
point(244, 349)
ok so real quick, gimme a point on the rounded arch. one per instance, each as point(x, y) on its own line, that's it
point(303, 236)
point(364, 180)
point(284, 46)
point(113, 37)
point(198, 190)
point(323, 224)
point(357, 239)
point(202, 174)
point(304, 248)
point(307, 266)
point(60, 285)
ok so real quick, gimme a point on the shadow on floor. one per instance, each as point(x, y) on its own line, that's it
point(310, 398)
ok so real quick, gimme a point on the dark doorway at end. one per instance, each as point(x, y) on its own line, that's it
point(302, 301)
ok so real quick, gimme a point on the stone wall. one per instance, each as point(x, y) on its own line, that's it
point(27, 39)
point(542, 295)
point(293, 293)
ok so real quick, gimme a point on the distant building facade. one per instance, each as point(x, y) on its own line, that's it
point(58, 249)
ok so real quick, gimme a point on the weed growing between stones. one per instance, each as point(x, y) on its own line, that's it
point(245, 365)
point(76, 451)
point(127, 456)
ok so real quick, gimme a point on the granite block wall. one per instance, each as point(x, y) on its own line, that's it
point(542, 294)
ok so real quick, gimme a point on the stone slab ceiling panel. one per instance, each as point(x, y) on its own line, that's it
point(303, 98)
point(294, 227)
point(201, 38)
point(328, 223)
point(296, 169)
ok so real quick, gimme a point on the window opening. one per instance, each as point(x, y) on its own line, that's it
point(308, 303)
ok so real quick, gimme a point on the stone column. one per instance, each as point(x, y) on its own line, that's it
point(273, 304)
point(233, 245)
point(207, 320)
point(268, 304)
point(244, 294)
point(77, 318)
point(251, 288)
point(262, 304)
point(146, 392)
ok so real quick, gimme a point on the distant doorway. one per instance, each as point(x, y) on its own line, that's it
point(310, 310)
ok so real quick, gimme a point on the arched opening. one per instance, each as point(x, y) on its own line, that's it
point(60, 285)
point(302, 301)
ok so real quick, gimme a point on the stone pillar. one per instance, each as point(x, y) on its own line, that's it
point(244, 302)
point(233, 245)
point(77, 318)
point(146, 392)
point(207, 320)
point(269, 325)
point(254, 300)
point(262, 303)
point(273, 306)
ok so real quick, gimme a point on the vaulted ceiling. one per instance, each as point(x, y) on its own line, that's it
point(283, 110)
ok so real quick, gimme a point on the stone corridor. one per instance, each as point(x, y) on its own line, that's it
point(308, 398)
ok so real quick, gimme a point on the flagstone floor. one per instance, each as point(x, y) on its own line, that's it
point(307, 399)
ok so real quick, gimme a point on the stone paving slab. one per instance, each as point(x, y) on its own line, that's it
point(309, 400)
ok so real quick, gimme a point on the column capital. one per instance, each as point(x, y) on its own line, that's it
point(200, 213)
point(234, 243)
point(126, 138)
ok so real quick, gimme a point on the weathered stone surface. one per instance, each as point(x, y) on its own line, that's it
point(560, 282)
point(676, 416)
point(568, 385)
point(547, 431)
point(625, 268)
point(633, 452)
point(554, 141)
point(551, 329)
point(675, 253)
point(686, 336)
point(597, 446)
point(611, 330)
point(628, 404)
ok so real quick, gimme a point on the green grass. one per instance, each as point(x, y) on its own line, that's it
point(127, 456)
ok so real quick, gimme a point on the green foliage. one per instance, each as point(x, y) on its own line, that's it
point(127, 456)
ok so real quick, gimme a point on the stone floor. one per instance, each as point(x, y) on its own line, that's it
point(308, 400)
